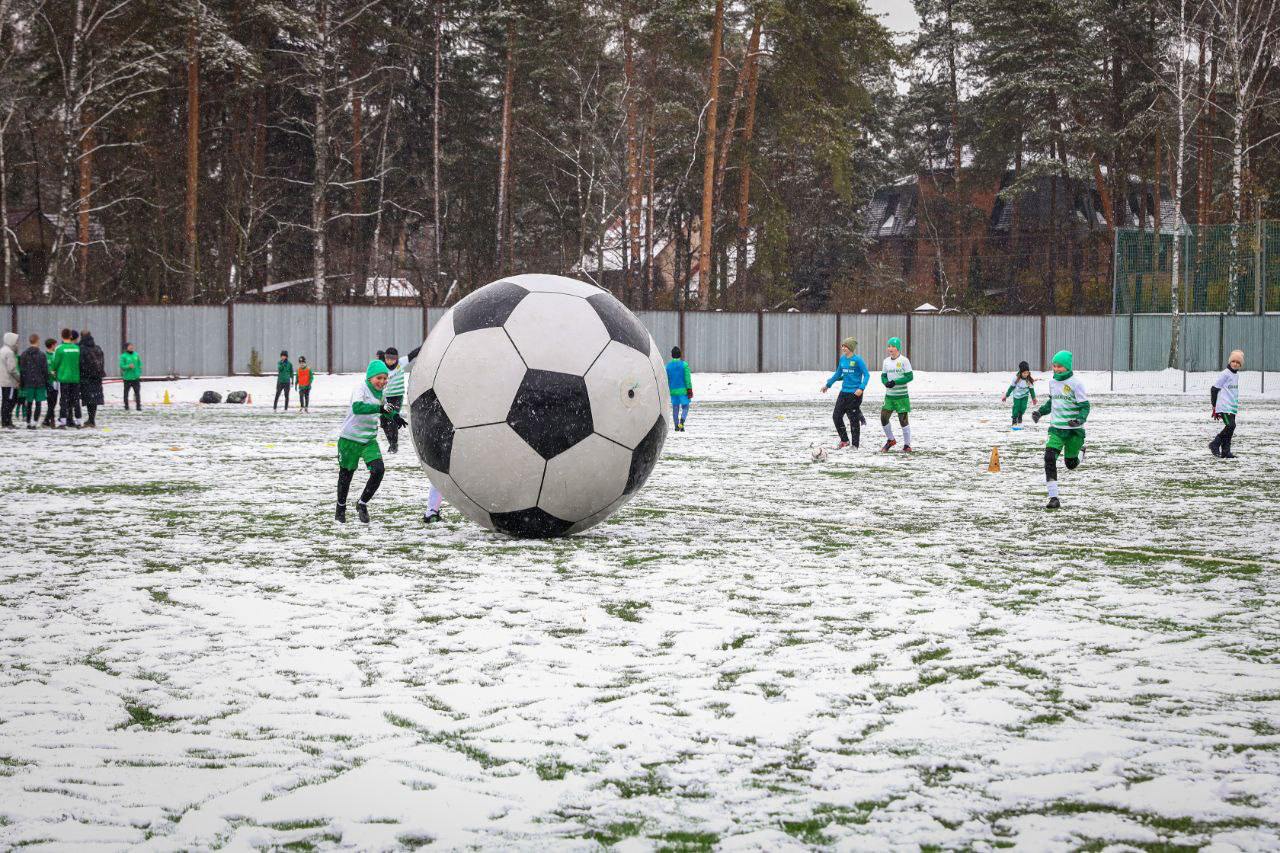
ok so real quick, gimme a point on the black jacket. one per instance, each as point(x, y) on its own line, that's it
point(92, 369)
point(33, 368)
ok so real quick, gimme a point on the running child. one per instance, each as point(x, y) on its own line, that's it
point(303, 383)
point(853, 374)
point(1224, 396)
point(1070, 407)
point(895, 375)
point(359, 439)
point(1020, 390)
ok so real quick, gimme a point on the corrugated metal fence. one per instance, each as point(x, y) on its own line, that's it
point(197, 340)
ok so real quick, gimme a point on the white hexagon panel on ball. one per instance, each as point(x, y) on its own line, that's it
point(542, 409)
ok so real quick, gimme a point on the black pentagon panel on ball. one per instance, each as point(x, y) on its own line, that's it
point(532, 523)
point(488, 307)
point(622, 324)
point(645, 456)
point(551, 411)
point(432, 430)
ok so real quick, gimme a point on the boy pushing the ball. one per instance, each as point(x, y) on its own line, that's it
point(359, 439)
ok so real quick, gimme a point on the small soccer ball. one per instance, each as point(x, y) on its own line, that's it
point(538, 405)
point(818, 453)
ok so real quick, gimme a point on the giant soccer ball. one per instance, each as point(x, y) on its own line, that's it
point(538, 405)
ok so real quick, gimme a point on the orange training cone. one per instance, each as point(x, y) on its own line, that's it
point(248, 399)
point(994, 467)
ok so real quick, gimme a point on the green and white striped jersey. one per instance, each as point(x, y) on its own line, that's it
point(362, 427)
point(1065, 398)
point(1021, 389)
point(894, 369)
point(396, 382)
point(1228, 385)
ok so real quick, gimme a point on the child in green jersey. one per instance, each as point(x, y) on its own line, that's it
point(1224, 396)
point(1070, 407)
point(894, 376)
point(359, 439)
point(1020, 391)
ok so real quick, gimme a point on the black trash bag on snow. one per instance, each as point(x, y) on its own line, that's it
point(236, 396)
point(210, 397)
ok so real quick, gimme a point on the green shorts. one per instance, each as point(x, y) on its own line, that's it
point(900, 404)
point(1069, 441)
point(351, 452)
point(34, 395)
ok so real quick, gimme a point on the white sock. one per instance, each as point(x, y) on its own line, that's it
point(906, 436)
point(434, 499)
point(1053, 488)
point(888, 431)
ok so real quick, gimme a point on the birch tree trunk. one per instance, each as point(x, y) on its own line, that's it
point(709, 164)
point(744, 180)
point(437, 227)
point(320, 180)
point(504, 152)
point(633, 157)
point(7, 258)
point(82, 202)
point(73, 103)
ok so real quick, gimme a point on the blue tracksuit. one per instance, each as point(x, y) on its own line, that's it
point(680, 384)
point(852, 373)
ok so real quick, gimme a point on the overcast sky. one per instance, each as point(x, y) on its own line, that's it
point(899, 15)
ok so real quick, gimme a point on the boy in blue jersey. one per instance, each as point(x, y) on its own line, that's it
point(852, 373)
point(680, 383)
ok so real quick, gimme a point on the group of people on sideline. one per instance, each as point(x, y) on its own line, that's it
point(64, 378)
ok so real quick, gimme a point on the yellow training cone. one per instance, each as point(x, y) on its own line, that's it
point(167, 401)
point(994, 466)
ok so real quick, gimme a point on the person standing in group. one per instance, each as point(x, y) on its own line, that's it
point(1224, 398)
point(131, 373)
point(393, 395)
point(284, 378)
point(66, 366)
point(10, 379)
point(51, 413)
point(303, 384)
point(895, 375)
point(93, 369)
point(680, 386)
point(34, 369)
point(853, 374)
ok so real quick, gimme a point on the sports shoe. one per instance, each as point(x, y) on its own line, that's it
point(841, 446)
point(1227, 454)
point(888, 444)
point(431, 517)
point(362, 510)
point(341, 514)
point(1214, 449)
point(906, 448)
point(395, 448)
point(1054, 503)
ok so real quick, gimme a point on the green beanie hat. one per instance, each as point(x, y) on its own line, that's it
point(851, 343)
point(895, 342)
point(375, 368)
point(1063, 358)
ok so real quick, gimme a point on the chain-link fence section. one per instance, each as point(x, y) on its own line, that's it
point(1228, 269)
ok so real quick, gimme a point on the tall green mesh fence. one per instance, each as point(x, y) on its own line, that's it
point(1222, 269)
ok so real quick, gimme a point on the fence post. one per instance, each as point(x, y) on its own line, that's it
point(839, 336)
point(13, 316)
point(975, 343)
point(124, 325)
point(426, 322)
point(1131, 342)
point(1222, 324)
point(760, 342)
point(907, 342)
point(231, 339)
point(1044, 334)
point(328, 337)
point(680, 330)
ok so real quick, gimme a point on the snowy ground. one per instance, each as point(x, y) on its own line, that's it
point(758, 652)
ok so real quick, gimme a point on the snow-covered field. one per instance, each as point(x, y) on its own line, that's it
point(878, 651)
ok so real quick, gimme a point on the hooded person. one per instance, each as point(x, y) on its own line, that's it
point(92, 372)
point(894, 376)
point(852, 374)
point(10, 379)
point(1069, 405)
point(358, 439)
point(1224, 398)
point(33, 368)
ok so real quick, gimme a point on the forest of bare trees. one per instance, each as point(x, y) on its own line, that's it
point(390, 150)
